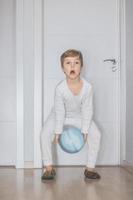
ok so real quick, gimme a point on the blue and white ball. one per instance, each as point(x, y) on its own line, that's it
point(71, 140)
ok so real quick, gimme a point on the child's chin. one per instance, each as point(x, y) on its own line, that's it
point(73, 74)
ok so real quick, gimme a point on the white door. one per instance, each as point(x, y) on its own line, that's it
point(92, 27)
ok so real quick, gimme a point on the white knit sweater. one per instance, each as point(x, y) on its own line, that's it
point(68, 105)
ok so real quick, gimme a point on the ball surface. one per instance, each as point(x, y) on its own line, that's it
point(71, 139)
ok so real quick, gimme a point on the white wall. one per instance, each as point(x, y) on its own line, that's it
point(7, 83)
point(129, 81)
point(8, 100)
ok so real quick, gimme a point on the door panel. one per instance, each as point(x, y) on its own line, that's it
point(92, 27)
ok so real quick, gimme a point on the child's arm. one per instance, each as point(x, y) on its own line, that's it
point(87, 111)
point(59, 111)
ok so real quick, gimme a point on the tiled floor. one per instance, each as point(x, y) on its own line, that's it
point(18, 184)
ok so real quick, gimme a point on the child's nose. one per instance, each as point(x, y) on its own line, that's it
point(72, 65)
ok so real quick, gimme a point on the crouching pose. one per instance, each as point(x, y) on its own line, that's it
point(73, 105)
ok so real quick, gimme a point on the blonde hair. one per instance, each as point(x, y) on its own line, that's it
point(71, 53)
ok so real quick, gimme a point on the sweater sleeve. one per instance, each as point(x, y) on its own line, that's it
point(87, 111)
point(59, 111)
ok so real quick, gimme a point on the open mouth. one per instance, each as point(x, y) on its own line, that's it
point(72, 72)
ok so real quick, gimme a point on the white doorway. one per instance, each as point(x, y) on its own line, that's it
point(93, 28)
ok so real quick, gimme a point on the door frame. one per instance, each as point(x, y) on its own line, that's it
point(38, 80)
point(37, 35)
point(19, 85)
point(122, 25)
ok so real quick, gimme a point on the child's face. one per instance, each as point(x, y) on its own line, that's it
point(72, 67)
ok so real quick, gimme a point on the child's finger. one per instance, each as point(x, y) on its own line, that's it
point(56, 139)
point(85, 137)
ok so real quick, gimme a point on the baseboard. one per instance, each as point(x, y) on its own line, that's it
point(28, 164)
point(127, 166)
point(7, 166)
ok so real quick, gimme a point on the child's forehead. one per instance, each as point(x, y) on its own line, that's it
point(72, 58)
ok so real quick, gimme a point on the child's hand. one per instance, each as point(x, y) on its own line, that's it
point(85, 135)
point(56, 138)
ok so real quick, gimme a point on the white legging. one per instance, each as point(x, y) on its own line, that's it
point(47, 133)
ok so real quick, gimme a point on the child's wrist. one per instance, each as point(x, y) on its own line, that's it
point(57, 134)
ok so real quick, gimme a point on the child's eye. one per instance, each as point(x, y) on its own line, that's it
point(77, 62)
point(68, 63)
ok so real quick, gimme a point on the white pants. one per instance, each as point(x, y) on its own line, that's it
point(47, 134)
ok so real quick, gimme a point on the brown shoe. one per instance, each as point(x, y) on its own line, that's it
point(48, 174)
point(91, 174)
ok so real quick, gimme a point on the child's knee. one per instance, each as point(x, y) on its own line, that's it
point(98, 134)
point(47, 131)
point(95, 132)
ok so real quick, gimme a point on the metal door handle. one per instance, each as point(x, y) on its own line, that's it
point(110, 60)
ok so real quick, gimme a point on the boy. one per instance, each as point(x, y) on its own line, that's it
point(73, 105)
